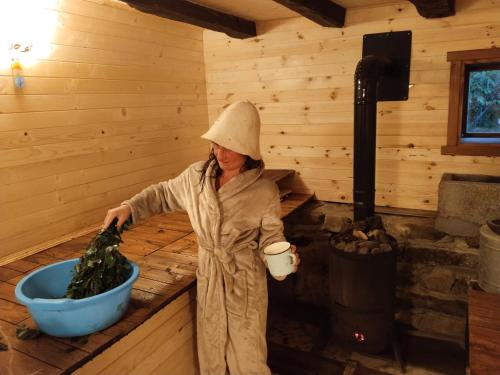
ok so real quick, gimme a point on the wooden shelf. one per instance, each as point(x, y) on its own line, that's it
point(484, 332)
point(155, 244)
point(278, 175)
point(293, 202)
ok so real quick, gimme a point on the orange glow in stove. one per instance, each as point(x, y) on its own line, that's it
point(359, 336)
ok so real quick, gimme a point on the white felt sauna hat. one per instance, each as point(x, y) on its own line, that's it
point(237, 129)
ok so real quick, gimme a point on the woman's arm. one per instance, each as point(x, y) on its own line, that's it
point(271, 230)
point(165, 196)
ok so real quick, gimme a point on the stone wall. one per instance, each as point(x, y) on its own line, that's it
point(433, 268)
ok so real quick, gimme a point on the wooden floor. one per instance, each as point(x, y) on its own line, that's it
point(165, 248)
point(297, 335)
point(284, 360)
point(300, 342)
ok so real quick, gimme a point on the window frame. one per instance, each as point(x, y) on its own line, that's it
point(454, 143)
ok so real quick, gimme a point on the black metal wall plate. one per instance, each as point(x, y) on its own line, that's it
point(393, 84)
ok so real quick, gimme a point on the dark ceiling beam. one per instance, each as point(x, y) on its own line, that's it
point(435, 8)
point(184, 11)
point(323, 12)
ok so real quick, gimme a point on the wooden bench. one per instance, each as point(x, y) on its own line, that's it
point(157, 333)
point(484, 331)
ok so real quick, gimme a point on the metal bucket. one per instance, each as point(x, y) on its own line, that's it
point(489, 260)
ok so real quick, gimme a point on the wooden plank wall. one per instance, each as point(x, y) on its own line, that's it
point(119, 103)
point(301, 75)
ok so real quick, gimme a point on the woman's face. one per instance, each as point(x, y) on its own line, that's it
point(228, 160)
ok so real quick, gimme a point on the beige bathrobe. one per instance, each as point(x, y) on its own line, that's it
point(233, 225)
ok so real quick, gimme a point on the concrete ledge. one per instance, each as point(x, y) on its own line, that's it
point(466, 202)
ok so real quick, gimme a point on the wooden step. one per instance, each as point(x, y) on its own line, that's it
point(278, 175)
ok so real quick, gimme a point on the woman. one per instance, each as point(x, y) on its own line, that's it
point(235, 214)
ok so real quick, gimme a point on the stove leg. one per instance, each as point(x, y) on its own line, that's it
point(396, 348)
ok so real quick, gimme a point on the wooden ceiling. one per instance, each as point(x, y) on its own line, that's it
point(237, 18)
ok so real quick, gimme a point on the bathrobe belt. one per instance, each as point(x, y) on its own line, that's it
point(224, 260)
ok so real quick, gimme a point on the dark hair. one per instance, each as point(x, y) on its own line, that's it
point(217, 171)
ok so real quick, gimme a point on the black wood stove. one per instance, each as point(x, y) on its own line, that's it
point(363, 273)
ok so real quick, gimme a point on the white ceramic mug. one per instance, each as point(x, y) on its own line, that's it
point(280, 259)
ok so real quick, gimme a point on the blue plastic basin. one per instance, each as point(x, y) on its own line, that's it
point(41, 290)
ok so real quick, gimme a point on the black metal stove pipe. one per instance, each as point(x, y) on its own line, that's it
point(366, 81)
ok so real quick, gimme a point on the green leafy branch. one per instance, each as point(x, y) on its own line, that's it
point(102, 267)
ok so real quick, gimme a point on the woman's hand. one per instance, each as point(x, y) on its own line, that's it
point(122, 213)
point(293, 249)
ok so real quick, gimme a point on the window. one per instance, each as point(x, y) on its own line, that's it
point(474, 107)
point(481, 117)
